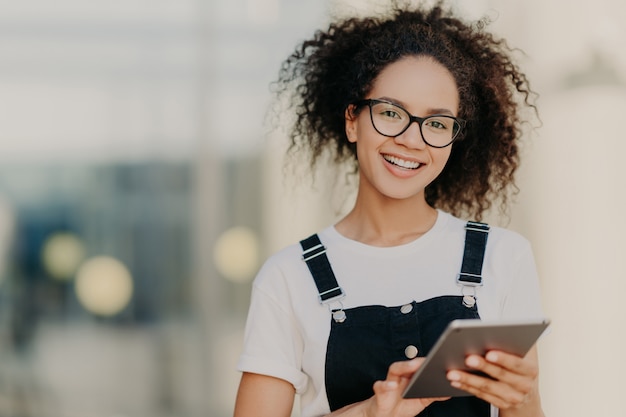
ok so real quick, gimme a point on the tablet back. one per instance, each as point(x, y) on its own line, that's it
point(465, 337)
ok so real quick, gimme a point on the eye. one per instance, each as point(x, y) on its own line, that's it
point(440, 123)
point(389, 112)
point(392, 114)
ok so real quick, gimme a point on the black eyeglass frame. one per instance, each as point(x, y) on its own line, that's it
point(420, 120)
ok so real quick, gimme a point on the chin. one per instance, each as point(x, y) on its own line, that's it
point(404, 195)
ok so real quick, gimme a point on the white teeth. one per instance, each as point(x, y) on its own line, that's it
point(401, 162)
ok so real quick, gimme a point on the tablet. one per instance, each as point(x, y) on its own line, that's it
point(465, 337)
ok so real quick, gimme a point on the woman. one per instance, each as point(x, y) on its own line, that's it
point(426, 106)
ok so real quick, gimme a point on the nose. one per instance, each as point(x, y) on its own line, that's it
point(412, 137)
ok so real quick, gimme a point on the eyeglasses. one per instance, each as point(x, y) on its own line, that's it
point(392, 120)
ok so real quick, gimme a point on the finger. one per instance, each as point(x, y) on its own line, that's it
point(388, 396)
point(398, 376)
point(385, 387)
point(498, 393)
point(521, 366)
point(522, 377)
point(484, 395)
point(403, 369)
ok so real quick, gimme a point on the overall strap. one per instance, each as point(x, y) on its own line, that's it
point(314, 254)
point(474, 253)
point(473, 256)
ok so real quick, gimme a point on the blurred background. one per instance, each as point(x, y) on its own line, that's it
point(139, 194)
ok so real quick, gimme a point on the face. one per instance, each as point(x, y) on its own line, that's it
point(401, 167)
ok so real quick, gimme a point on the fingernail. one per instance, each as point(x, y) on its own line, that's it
point(454, 376)
point(392, 385)
point(492, 356)
point(472, 361)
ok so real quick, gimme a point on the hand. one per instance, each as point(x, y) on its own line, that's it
point(514, 386)
point(387, 400)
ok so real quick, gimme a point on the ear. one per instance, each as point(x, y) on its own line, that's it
point(351, 128)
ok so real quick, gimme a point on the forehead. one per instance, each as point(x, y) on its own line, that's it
point(419, 84)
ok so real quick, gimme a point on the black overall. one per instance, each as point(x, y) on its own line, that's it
point(365, 340)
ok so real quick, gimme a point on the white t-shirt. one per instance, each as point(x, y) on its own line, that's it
point(287, 328)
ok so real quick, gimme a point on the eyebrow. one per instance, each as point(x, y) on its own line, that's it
point(437, 110)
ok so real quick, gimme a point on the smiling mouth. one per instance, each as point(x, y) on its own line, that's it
point(401, 162)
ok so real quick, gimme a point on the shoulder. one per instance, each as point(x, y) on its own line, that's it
point(292, 254)
point(508, 242)
point(286, 267)
point(279, 264)
point(500, 240)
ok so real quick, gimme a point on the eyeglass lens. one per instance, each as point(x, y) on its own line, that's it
point(391, 120)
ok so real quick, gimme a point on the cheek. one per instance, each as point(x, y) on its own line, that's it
point(444, 154)
point(440, 159)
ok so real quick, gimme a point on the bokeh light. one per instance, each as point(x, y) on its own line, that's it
point(104, 286)
point(61, 255)
point(236, 254)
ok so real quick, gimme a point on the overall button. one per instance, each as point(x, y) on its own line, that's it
point(410, 351)
point(406, 309)
point(469, 301)
point(339, 316)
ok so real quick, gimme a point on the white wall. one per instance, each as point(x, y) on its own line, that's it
point(572, 199)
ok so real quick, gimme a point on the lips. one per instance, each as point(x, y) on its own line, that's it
point(402, 163)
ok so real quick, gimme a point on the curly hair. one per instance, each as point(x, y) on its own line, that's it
point(339, 66)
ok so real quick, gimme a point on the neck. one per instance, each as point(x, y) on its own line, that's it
point(383, 221)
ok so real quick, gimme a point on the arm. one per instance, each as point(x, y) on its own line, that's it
point(265, 396)
point(514, 389)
